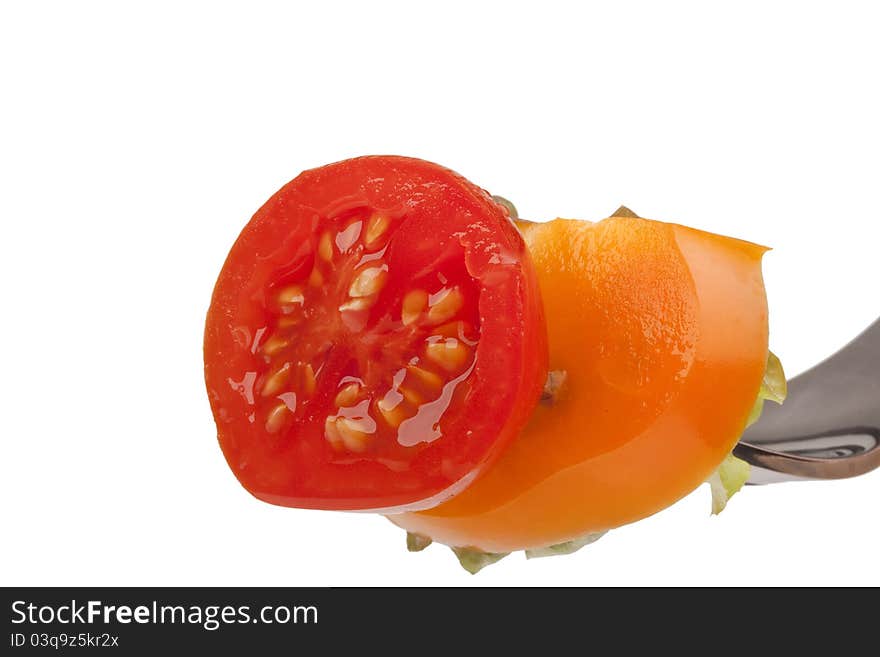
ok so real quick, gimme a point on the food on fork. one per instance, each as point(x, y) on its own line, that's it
point(386, 336)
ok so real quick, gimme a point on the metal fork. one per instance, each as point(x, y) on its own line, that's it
point(829, 427)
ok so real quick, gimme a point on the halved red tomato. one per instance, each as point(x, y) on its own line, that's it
point(375, 338)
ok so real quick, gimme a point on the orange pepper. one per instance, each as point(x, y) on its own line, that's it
point(661, 331)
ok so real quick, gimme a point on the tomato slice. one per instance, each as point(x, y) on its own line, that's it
point(662, 332)
point(374, 339)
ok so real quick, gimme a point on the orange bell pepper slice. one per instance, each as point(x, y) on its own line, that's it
point(661, 333)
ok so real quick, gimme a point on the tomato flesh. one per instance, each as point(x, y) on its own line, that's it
point(374, 339)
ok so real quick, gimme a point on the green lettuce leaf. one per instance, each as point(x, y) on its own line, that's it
point(511, 208)
point(733, 473)
point(473, 560)
point(774, 387)
point(569, 547)
point(417, 542)
point(726, 481)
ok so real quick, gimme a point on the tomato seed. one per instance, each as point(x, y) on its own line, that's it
point(331, 434)
point(369, 281)
point(274, 345)
point(450, 354)
point(411, 396)
point(348, 395)
point(359, 303)
point(413, 304)
point(276, 418)
point(376, 228)
point(309, 382)
point(316, 279)
point(456, 329)
point(276, 381)
point(425, 377)
point(391, 408)
point(444, 305)
point(355, 433)
point(289, 321)
point(325, 247)
point(291, 295)
point(347, 237)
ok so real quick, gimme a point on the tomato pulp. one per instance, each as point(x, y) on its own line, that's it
point(374, 339)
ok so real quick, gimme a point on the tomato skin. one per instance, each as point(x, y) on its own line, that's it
point(439, 212)
point(663, 332)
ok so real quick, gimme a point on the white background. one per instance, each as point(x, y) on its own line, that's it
point(136, 143)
